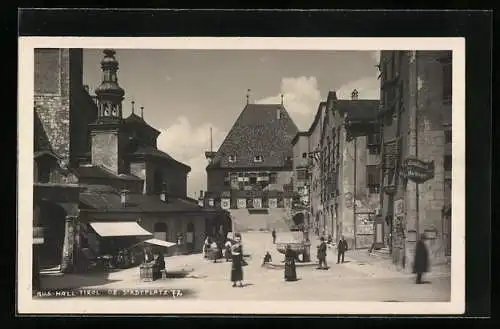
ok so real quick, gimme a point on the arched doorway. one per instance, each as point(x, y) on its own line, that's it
point(52, 218)
point(190, 243)
point(160, 231)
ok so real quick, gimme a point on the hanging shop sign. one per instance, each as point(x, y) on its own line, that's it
point(225, 203)
point(418, 171)
point(273, 203)
point(257, 203)
point(242, 203)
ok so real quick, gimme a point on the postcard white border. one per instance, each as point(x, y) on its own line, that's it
point(26, 304)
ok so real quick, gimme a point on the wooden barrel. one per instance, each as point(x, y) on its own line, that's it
point(146, 272)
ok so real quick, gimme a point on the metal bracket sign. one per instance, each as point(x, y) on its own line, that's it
point(418, 171)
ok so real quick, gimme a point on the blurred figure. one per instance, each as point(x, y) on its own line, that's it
point(273, 234)
point(290, 269)
point(227, 248)
point(322, 255)
point(237, 262)
point(421, 262)
point(267, 258)
point(341, 249)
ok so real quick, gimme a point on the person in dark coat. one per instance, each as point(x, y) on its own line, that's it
point(267, 258)
point(273, 234)
point(159, 265)
point(290, 269)
point(341, 249)
point(322, 255)
point(421, 263)
point(237, 263)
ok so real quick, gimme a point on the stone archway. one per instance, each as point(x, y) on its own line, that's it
point(52, 217)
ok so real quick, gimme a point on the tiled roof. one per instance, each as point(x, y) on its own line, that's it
point(134, 119)
point(154, 152)
point(258, 132)
point(110, 201)
point(100, 172)
point(358, 110)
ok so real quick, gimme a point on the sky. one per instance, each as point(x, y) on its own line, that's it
point(186, 92)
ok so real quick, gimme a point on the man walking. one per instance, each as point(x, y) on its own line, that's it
point(273, 233)
point(322, 255)
point(421, 261)
point(341, 249)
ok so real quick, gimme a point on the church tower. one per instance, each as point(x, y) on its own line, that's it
point(107, 132)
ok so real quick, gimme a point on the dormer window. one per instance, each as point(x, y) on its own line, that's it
point(257, 158)
point(232, 158)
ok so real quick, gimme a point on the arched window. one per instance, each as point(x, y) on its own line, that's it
point(160, 231)
point(158, 181)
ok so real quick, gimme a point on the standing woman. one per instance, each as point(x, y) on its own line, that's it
point(237, 262)
point(421, 262)
point(290, 270)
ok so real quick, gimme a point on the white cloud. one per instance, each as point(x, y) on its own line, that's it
point(188, 144)
point(301, 99)
point(367, 87)
point(376, 56)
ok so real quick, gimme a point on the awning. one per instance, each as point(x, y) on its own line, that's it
point(160, 243)
point(107, 229)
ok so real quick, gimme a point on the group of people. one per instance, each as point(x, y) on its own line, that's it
point(322, 251)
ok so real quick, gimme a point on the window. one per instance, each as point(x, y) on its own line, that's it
point(301, 174)
point(304, 155)
point(447, 162)
point(373, 178)
point(160, 231)
point(232, 158)
point(447, 136)
point(257, 158)
point(447, 82)
point(273, 178)
point(253, 180)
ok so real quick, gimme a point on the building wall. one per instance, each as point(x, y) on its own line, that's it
point(174, 176)
point(216, 179)
point(105, 151)
point(52, 97)
point(424, 107)
point(139, 169)
point(317, 219)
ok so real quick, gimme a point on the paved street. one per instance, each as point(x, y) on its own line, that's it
point(361, 278)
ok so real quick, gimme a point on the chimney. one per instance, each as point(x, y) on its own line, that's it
point(163, 194)
point(124, 197)
point(354, 95)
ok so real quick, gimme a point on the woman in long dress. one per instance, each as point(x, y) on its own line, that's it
point(237, 263)
point(290, 270)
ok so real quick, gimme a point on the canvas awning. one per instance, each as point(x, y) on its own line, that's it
point(161, 243)
point(110, 229)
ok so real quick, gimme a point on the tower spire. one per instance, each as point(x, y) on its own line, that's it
point(211, 140)
point(109, 93)
point(282, 96)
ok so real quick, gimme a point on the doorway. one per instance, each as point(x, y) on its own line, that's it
point(52, 219)
point(190, 243)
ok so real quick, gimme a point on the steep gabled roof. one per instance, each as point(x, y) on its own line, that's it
point(101, 173)
point(136, 122)
point(143, 151)
point(258, 132)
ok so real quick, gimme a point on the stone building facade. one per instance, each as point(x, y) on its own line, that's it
point(250, 174)
point(416, 149)
point(343, 157)
point(92, 165)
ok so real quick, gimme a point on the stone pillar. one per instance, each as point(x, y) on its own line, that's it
point(411, 197)
point(347, 193)
point(67, 264)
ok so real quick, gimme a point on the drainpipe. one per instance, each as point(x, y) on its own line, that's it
point(417, 201)
point(354, 190)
